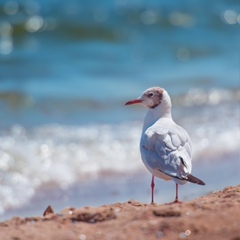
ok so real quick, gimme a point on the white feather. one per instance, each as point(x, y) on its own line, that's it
point(165, 147)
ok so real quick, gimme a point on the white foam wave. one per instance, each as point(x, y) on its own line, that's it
point(61, 155)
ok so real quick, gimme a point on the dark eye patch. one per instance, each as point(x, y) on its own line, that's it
point(150, 94)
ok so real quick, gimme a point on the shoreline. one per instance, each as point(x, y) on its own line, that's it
point(107, 189)
point(206, 216)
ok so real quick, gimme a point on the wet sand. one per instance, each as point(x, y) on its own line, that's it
point(214, 216)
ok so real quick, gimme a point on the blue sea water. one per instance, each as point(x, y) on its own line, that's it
point(68, 67)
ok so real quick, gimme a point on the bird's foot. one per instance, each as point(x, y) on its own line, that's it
point(175, 201)
point(154, 204)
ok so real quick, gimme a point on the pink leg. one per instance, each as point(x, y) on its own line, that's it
point(152, 186)
point(176, 199)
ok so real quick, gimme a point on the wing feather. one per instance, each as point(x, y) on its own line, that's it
point(163, 151)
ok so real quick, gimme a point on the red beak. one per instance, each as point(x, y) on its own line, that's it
point(135, 101)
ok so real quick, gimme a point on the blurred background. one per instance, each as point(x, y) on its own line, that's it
point(68, 67)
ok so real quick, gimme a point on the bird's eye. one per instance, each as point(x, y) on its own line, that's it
point(150, 95)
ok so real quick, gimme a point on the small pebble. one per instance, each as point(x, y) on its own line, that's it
point(82, 237)
point(185, 234)
point(160, 234)
point(117, 210)
point(48, 210)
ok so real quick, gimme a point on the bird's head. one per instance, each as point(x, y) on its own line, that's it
point(152, 98)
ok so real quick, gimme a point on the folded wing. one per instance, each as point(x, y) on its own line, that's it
point(167, 151)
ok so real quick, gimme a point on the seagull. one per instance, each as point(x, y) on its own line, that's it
point(165, 147)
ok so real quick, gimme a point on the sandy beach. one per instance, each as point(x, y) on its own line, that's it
point(214, 216)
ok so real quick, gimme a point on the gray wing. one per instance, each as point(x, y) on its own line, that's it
point(167, 151)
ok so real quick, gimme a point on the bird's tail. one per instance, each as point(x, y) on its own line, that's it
point(193, 179)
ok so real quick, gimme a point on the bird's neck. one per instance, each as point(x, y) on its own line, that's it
point(155, 114)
